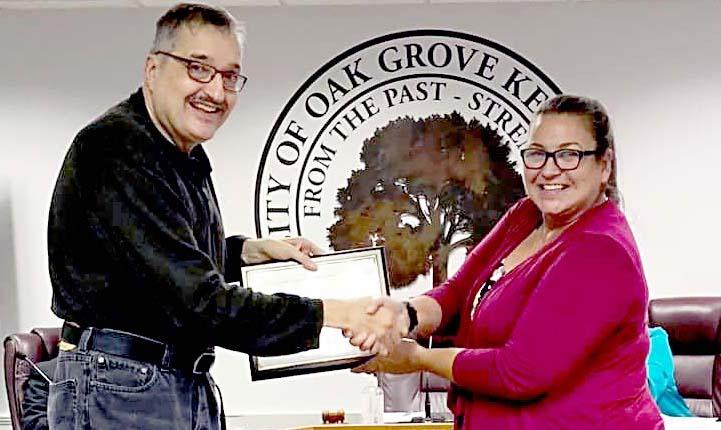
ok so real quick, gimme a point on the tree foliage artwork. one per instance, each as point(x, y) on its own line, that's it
point(429, 186)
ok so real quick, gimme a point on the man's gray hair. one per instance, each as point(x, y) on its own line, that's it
point(193, 14)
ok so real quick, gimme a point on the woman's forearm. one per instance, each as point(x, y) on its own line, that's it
point(438, 361)
point(429, 315)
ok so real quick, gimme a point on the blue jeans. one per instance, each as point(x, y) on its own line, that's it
point(96, 390)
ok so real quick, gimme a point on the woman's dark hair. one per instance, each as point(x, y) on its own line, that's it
point(600, 125)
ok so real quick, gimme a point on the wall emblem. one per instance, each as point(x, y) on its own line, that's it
point(407, 140)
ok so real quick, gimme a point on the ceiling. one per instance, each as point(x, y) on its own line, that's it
point(75, 4)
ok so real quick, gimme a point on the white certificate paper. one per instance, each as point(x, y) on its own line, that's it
point(341, 275)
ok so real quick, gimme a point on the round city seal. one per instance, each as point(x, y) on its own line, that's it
point(403, 131)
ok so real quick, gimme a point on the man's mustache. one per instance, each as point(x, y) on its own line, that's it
point(207, 101)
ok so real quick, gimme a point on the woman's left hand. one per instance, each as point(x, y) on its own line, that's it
point(405, 358)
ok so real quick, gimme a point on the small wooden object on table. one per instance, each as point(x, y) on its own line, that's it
point(333, 417)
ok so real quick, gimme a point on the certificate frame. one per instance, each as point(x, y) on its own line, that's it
point(338, 267)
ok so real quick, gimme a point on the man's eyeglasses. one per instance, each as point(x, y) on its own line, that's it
point(565, 159)
point(204, 73)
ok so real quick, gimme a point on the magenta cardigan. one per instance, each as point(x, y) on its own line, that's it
point(560, 341)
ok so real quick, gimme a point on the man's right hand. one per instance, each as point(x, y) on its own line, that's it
point(370, 326)
point(383, 305)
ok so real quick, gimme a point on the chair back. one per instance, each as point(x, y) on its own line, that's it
point(41, 344)
point(694, 333)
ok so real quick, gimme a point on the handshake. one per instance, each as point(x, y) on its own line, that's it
point(376, 325)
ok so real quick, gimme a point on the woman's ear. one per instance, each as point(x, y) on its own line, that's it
point(607, 162)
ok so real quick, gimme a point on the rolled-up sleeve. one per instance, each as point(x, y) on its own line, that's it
point(233, 260)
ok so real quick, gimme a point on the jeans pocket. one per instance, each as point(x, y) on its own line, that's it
point(138, 399)
point(119, 374)
point(62, 405)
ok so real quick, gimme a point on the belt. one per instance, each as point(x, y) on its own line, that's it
point(196, 360)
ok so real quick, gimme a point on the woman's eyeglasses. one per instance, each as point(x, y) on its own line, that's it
point(565, 159)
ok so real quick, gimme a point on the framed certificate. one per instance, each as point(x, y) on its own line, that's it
point(340, 275)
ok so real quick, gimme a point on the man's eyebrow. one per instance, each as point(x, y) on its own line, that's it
point(202, 57)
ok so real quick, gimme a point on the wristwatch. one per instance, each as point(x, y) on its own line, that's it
point(412, 316)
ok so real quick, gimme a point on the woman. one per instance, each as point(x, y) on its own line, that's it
point(552, 303)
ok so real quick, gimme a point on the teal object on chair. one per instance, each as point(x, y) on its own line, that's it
point(661, 381)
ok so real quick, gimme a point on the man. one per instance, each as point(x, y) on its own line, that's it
point(138, 260)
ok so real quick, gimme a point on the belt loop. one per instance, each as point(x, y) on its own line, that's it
point(86, 339)
point(203, 363)
point(167, 356)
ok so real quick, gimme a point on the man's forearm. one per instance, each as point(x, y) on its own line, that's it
point(335, 313)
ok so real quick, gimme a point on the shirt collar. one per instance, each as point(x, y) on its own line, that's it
point(196, 161)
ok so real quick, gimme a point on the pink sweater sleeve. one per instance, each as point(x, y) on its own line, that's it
point(588, 292)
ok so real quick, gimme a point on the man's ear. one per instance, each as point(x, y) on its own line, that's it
point(151, 69)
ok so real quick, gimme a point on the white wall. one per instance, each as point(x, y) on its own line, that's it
point(655, 64)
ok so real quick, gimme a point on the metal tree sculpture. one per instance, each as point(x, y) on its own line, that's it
point(429, 186)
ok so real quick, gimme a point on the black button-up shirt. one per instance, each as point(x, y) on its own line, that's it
point(136, 243)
